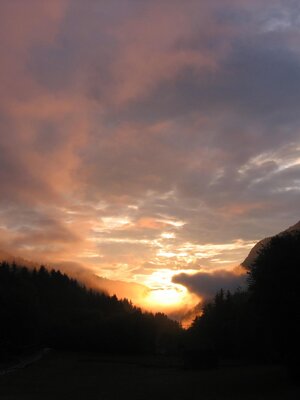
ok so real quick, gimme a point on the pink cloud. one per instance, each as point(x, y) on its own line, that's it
point(145, 111)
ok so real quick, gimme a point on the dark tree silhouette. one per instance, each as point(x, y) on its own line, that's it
point(47, 308)
point(274, 282)
point(226, 327)
point(261, 323)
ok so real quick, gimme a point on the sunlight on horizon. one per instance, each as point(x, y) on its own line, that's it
point(163, 293)
point(165, 297)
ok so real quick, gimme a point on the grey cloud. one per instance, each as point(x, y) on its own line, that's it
point(207, 284)
point(258, 78)
point(190, 132)
point(18, 184)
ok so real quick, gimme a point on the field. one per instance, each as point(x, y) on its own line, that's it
point(83, 376)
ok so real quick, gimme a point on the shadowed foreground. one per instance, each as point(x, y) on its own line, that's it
point(77, 376)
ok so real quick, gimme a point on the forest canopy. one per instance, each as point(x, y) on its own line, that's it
point(47, 308)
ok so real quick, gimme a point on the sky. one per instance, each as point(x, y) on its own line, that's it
point(151, 143)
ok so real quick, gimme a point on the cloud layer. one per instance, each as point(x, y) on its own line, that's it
point(136, 136)
point(206, 285)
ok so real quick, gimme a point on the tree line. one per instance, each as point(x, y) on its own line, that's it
point(262, 322)
point(47, 308)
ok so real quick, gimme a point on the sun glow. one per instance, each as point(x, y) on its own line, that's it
point(166, 297)
point(163, 292)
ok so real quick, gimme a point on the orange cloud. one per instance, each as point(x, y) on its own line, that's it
point(243, 208)
point(137, 136)
point(148, 56)
point(150, 223)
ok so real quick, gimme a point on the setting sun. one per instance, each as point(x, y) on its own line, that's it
point(164, 293)
point(166, 297)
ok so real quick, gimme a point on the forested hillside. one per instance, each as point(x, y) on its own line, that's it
point(262, 322)
point(38, 307)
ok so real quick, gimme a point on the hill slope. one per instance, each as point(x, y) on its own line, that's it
point(254, 251)
point(41, 307)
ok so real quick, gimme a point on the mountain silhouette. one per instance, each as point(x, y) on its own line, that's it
point(259, 245)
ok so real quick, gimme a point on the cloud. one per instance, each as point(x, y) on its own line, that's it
point(206, 284)
point(137, 136)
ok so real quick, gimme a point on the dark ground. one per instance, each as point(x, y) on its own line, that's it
point(82, 376)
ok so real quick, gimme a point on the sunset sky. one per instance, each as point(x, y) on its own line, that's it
point(140, 140)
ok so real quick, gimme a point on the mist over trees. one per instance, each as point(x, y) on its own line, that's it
point(38, 307)
point(258, 324)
